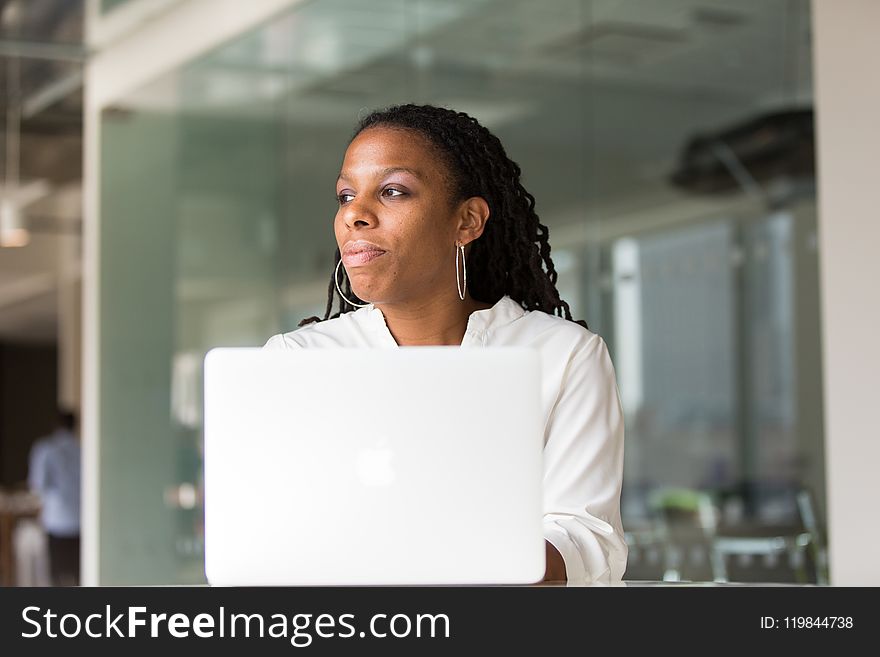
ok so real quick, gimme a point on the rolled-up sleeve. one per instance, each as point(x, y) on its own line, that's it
point(583, 469)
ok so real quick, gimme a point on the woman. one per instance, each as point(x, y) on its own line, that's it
point(439, 244)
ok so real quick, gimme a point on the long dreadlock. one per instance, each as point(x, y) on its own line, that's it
point(507, 258)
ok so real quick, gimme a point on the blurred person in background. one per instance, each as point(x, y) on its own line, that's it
point(54, 474)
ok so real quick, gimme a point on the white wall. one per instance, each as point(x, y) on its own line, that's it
point(846, 54)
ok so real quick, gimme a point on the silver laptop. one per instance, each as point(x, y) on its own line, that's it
point(418, 465)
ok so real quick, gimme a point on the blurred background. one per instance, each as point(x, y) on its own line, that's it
point(670, 147)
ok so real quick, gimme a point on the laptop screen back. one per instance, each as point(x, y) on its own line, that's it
point(417, 465)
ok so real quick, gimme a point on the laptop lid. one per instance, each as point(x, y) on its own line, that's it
point(418, 465)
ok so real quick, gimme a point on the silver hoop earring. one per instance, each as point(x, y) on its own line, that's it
point(339, 289)
point(461, 292)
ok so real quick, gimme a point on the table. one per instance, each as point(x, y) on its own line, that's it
point(13, 508)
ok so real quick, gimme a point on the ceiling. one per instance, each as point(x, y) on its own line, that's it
point(596, 97)
point(683, 64)
point(44, 40)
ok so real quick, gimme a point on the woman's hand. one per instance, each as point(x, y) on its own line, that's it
point(555, 571)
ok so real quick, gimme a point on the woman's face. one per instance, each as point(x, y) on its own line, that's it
point(396, 226)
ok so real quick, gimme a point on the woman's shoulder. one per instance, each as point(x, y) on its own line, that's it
point(543, 325)
point(563, 344)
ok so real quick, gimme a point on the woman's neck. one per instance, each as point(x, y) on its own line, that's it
point(438, 321)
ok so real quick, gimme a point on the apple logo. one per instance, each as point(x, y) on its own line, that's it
point(374, 465)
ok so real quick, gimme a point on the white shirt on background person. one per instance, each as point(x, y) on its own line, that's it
point(583, 421)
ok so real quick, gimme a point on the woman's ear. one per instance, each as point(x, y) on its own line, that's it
point(473, 215)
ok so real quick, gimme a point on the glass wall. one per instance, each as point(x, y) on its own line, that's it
point(107, 6)
point(669, 147)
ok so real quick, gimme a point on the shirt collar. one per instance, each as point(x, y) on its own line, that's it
point(505, 311)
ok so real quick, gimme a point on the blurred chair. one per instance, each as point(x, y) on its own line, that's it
point(645, 560)
point(20, 550)
point(818, 545)
point(793, 553)
point(687, 522)
point(31, 548)
point(762, 559)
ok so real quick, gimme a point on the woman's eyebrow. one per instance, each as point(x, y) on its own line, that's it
point(386, 172)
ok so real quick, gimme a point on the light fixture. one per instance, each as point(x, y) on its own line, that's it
point(12, 231)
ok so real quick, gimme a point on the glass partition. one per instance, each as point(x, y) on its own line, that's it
point(109, 5)
point(669, 148)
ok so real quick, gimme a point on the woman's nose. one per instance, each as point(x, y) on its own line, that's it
point(358, 214)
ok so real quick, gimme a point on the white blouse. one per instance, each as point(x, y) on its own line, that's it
point(583, 421)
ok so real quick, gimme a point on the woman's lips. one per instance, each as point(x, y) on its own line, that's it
point(361, 257)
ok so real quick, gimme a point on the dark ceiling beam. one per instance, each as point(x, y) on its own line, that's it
point(51, 93)
point(40, 50)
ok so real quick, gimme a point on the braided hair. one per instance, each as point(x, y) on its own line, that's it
point(507, 258)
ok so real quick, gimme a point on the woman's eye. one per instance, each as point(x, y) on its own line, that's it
point(344, 198)
point(390, 192)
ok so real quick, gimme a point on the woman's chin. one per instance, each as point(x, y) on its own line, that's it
point(365, 296)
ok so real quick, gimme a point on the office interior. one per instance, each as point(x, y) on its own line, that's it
point(167, 188)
